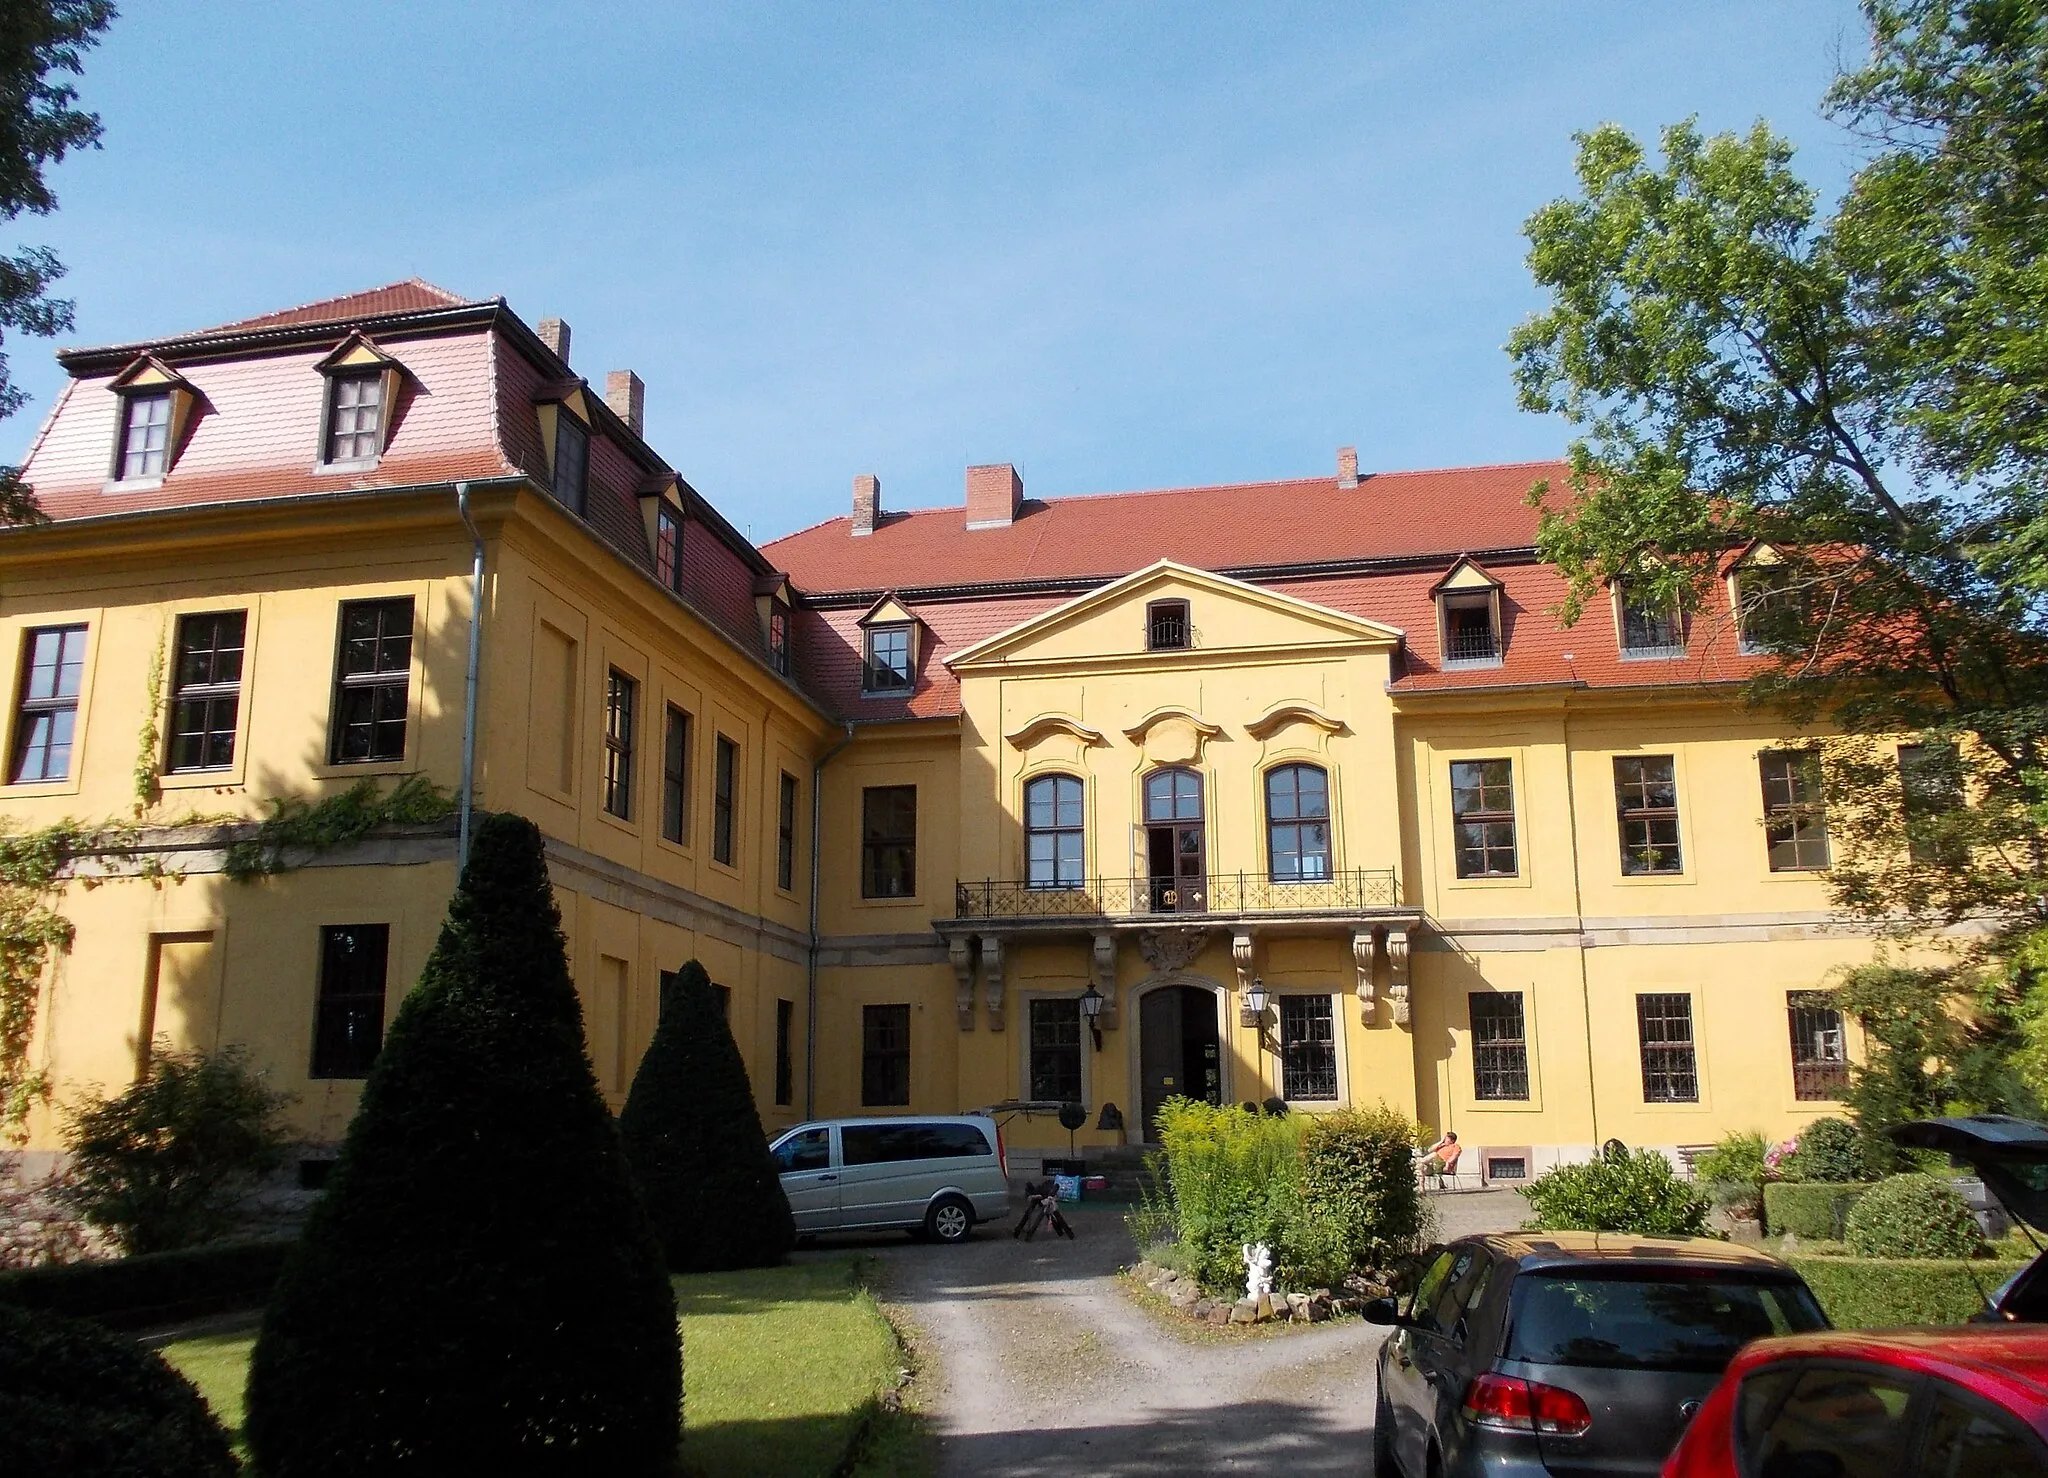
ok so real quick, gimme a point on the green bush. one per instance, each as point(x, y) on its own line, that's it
point(1829, 1150)
point(693, 1137)
point(1359, 1204)
point(1912, 1216)
point(1732, 1173)
point(1232, 1172)
point(1866, 1293)
point(1623, 1190)
point(153, 1287)
point(163, 1163)
point(480, 1289)
point(1814, 1211)
point(88, 1403)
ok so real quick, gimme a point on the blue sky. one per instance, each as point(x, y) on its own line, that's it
point(1119, 245)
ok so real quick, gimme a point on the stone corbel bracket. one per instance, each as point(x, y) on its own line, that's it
point(1397, 972)
point(992, 977)
point(1242, 951)
point(960, 954)
point(1364, 954)
point(1103, 959)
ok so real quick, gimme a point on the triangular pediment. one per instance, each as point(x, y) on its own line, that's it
point(888, 611)
point(1225, 615)
point(356, 352)
point(1466, 575)
point(146, 373)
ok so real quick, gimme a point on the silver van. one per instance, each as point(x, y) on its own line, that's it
point(935, 1176)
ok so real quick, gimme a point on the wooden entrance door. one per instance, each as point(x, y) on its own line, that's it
point(1179, 1050)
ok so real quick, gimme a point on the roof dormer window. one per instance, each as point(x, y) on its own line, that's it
point(889, 668)
point(778, 637)
point(1649, 627)
point(145, 436)
point(1468, 617)
point(572, 462)
point(156, 408)
point(355, 417)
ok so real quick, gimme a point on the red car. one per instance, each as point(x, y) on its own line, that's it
point(1965, 1402)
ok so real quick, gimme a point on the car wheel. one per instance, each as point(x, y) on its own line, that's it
point(1384, 1464)
point(949, 1220)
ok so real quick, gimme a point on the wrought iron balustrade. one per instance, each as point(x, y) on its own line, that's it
point(1225, 894)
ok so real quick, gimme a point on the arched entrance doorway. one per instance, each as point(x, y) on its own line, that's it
point(1180, 1050)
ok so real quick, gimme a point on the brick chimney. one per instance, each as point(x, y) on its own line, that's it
point(993, 493)
point(1347, 466)
point(627, 397)
point(867, 503)
point(555, 334)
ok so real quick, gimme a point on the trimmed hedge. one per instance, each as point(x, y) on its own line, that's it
point(153, 1287)
point(1883, 1293)
point(1815, 1211)
point(1913, 1216)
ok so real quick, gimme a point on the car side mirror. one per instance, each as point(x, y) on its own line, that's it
point(1382, 1311)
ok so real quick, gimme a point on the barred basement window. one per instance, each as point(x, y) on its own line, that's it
point(1056, 1051)
point(370, 685)
point(1308, 1049)
point(1500, 1047)
point(206, 690)
point(1483, 817)
point(1507, 1167)
point(885, 1056)
point(349, 1017)
point(1670, 1071)
point(1820, 1053)
point(621, 699)
point(1646, 802)
point(1795, 820)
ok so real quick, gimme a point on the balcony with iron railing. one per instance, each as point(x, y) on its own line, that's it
point(1221, 896)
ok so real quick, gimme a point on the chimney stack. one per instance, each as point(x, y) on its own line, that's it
point(627, 397)
point(993, 493)
point(867, 503)
point(555, 334)
point(1347, 466)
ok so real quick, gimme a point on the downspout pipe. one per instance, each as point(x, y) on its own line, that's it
point(464, 800)
point(811, 973)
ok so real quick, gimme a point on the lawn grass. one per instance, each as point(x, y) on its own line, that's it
point(784, 1369)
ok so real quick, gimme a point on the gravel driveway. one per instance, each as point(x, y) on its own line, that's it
point(1035, 1362)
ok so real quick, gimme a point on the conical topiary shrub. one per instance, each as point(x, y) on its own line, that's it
point(480, 1290)
point(694, 1139)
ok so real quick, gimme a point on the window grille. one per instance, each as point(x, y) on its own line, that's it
point(1167, 628)
point(1308, 1049)
point(1820, 1052)
point(1651, 628)
point(1670, 1071)
point(1469, 635)
point(1500, 1047)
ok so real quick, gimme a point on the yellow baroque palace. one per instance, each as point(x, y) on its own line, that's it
point(1018, 803)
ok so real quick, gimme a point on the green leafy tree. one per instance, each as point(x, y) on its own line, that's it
point(164, 1163)
point(694, 1140)
point(479, 1291)
point(1860, 393)
point(40, 42)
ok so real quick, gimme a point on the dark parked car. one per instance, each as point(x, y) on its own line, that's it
point(1902, 1403)
point(2011, 1157)
point(1566, 1353)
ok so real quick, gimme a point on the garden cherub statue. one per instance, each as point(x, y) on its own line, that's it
point(1258, 1269)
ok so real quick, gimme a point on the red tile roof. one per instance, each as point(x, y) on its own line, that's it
point(410, 296)
point(1236, 527)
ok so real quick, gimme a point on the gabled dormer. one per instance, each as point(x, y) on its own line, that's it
point(363, 385)
point(889, 648)
point(157, 404)
point(774, 603)
point(1761, 596)
point(662, 512)
point(565, 420)
point(1468, 616)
